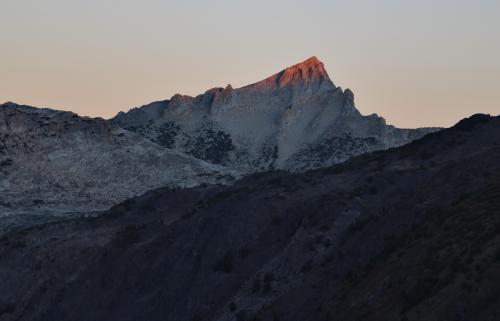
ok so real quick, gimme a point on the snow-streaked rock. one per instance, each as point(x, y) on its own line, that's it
point(294, 120)
point(58, 160)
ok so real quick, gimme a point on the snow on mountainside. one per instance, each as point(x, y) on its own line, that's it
point(294, 120)
point(58, 160)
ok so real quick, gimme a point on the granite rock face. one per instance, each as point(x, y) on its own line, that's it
point(294, 120)
point(58, 160)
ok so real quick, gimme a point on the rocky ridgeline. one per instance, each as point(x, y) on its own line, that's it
point(58, 160)
point(294, 120)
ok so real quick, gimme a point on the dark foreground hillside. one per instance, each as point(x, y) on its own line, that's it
point(412, 233)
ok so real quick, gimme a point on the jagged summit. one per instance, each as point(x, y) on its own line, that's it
point(311, 68)
point(295, 120)
point(309, 73)
point(305, 78)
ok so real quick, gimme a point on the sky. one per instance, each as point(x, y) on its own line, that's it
point(416, 63)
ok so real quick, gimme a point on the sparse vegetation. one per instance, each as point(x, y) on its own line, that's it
point(7, 308)
point(127, 236)
point(241, 316)
point(307, 267)
point(225, 264)
point(276, 220)
point(256, 284)
point(268, 282)
point(244, 252)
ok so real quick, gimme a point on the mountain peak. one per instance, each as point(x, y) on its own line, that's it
point(308, 73)
point(310, 65)
point(9, 104)
point(312, 62)
point(310, 70)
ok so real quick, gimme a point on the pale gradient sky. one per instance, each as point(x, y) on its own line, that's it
point(416, 63)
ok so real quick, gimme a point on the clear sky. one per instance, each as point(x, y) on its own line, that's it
point(416, 63)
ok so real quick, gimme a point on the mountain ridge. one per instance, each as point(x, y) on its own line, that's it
point(276, 123)
point(57, 159)
point(294, 120)
point(283, 246)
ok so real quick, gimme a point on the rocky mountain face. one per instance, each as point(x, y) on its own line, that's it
point(58, 160)
point(295, 120)
point(411, 234)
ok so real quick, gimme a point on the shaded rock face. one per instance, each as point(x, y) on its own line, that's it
point(282, 122)
point(58, 160)
point(405, 234)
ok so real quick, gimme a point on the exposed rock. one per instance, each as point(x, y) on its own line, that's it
point(295, 120)
point(58, 160)
point(294, 113)
point(406, 234)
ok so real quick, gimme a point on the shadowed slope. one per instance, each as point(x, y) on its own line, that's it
point(277, 246)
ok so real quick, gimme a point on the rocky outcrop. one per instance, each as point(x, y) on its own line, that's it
point(58, 160)
point(294, 120)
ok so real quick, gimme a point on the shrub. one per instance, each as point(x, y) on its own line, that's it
point(256, 285)
point(422, 290)
point(307, 267)
point(241, 316)
point(268, 280)
point(148, 208)
point(7, 308)
point(244, 252)
point(126, 236)
point(20, 244)
point(276, 220)
point(225, 264)
point(426, 155)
